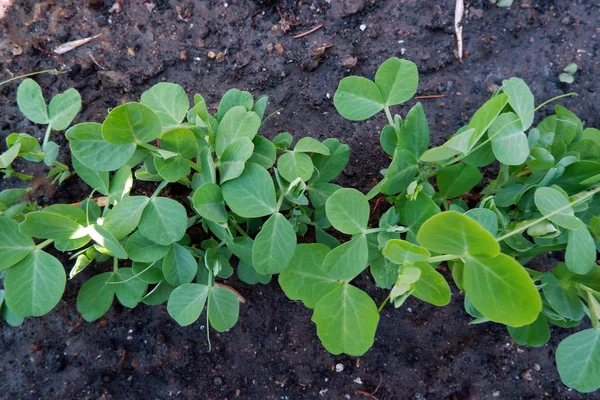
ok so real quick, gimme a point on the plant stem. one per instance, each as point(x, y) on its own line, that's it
point(384, 303)
point(47, 136)
point(160, 187)
point(444, 257)
point(388, 114)
point(115, 264)
point(44, 244)
point(49, 71)
point(523, 228)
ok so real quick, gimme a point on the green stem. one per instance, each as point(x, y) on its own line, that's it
point(115, 264)
point(160, 187)
point(388, 114)
point(134, 276)
point(47, 135)
point(444, 257)
point(489, 139)
point(523, 228)
point(384, 303)
point(44, 244)
point(46, 71)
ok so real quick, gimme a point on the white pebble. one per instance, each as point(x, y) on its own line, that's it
point(358, 380)
point(339, 367)
point(363, 27)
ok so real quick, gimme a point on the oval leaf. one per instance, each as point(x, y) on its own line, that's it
point(348, 211)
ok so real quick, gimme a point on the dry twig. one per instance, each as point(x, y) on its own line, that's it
point(66, 47)
point(316, 28)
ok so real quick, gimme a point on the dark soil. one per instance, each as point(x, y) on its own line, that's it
point(273, 352)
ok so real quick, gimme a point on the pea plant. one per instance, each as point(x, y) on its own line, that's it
point(543, 199)
point(57, 116)
point(258, 207)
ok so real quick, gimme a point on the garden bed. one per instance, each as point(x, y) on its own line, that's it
point(273, 352)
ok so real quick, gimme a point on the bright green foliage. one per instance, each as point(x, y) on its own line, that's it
point(252, 194)
point(457, 180)
point(348, 260)
point(223, 308)
point(131, 123)
point(348, 211)
point(346, 320)
point(179, 266)
point(31, 102)
point(14, 245)
point(163, 221)
point(535, 334)
point(96, 296)
point(169, 101)
point(187, 302)
point(34, 285)
point(90, 148)
point(358, 98)
point(397, 81)
point(208, 202)
point(578, 360)
point(274, 245)
point(555, 206)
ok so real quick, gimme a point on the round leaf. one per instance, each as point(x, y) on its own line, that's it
point(397, 80)
point(35, 285)
point(131, 123)
point(578, 360)
point(163, 221)
point(549, 201)
point(346, 319)
point(252, 194)
point(63, 109)
point(347, 260)
point(96, 296)
point(179, 266)
point(348, 211)
point(169, 101)
point(294, 165)
point(14, 245)
point(223, 308)
point(358, 98)
point(89, 147)
point(274, 245)
point(208, 202)
point(31, 102)
point(187, 302)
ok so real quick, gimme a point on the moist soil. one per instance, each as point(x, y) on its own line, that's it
point(420, 351)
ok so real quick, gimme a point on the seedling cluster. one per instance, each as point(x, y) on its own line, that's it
point(250, 198)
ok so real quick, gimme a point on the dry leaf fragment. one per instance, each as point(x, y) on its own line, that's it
point(458, 14)
point(66, 47)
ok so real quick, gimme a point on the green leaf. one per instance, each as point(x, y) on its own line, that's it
point(283, 141)
point(252, 194)
point(169, 101)
point(208, 202)
point(294, 165)
point(347, 260)
point(148, 273)
point(128, 288)
point(141, 249)
point(236, 123)
point(414, 132)
point(248, 274)
point(179, 266)
point(51, 226)
point(431, 286)
point(310, 145)
point(131, 123)
point(163, 221)
point(14, 245)
point(172, 169)
point(234, 98)
point(264, 152)
point(501, 289)
point(96, 179)
point(123, 218)
point(348, 211)
point(121, 184)
point(485, 116)
point(63, 109)
point(358, 98)
point(34, 285)
point(401, 173)
point(260, 106)
point(580, 256)
point(389, 139)
point(346, 319)
point(159, 294)
point(384, 272)
point(96, 296)
point(453, 233)
point(187, 302)
point(578, 360)
point(181, 141)
point(89, 147)
point(329, 167)
point(437, 154)
point(520, 100)
point(50, 150)
point(9, 316)
point(304, 279)
point(413, 213)
point(535, 334)
point(397, 81)
point(486, 218)
point(31, 102)
point(231, 163)
point(274, 245)
point(549, 201)
point(563, 299)
point(457, 180)
point(223, 308)
point(402, 252)
point(509, 142)
point(105, 239)
point(9, 155)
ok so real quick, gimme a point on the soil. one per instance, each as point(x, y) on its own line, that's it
point(420, 351)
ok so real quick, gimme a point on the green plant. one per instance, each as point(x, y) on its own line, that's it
point(58, 115)
point(543, 200)
point(248, 198)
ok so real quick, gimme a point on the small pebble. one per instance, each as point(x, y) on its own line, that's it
point(358, 380)
point(496, 393)
point(211, 54)
point(363, 27)
point(526, 375)
point(339, 367)
point(537, 366)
